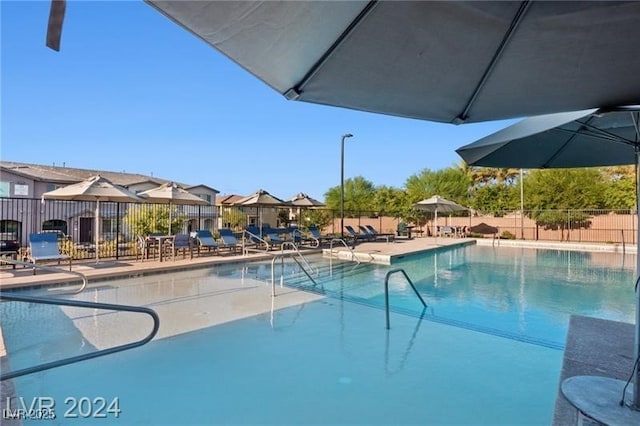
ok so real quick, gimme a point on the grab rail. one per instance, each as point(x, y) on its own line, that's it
point(344, 243)
point(53, 269)
point(273, 274)
point(386, 290)
point(295, 248)
point(253, 236)
point(83, 357)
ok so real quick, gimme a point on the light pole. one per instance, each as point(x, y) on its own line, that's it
point(521, 207)
point(347, 135)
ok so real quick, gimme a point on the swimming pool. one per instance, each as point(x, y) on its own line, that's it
point(486, 352)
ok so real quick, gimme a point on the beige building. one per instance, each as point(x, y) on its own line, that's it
point(24, 211)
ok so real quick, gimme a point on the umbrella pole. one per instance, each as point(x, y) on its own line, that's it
point(169, 217)
point(97, 231)
point(636, 384)
point(435, 225)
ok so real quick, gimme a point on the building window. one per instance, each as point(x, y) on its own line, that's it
point(4, 189)
point(206, 197)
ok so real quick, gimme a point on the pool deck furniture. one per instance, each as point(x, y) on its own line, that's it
point(229, 240)
point(44, 247)
point(204, 240)
point(181, 243)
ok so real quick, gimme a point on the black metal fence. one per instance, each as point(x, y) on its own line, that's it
point(118, 224)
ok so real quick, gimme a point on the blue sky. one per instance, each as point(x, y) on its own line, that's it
point(132, 91)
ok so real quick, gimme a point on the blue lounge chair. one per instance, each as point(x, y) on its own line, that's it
point(204, 239)
point(355, 236)
point(181, 242)
point(43, 247)
point(274, 238)
point(229, 240)
point(388, 236)
point(315, 234)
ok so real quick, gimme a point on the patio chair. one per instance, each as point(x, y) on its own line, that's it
point(304, 240)
point(355, 236)
point(315, 233)
point(181, 242)
point(204, 239)
point(229, 240)
point(274, 239)
point(388, 236)
point(43, 247)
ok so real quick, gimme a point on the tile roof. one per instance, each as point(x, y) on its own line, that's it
point(59, 174)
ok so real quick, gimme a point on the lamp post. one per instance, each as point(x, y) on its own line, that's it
point(347, 135)
point(521, 207)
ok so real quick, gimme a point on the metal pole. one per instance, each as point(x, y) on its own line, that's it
point(347, 135)
point(636, 352)
point(521, 207)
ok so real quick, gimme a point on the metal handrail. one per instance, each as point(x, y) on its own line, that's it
point(52, 269)
point(295, 248)
point(344, 243)
point(386, 290)
point(254, 236)
point(83, 357)
point(281, 256)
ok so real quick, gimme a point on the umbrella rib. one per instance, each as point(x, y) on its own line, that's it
point(299, 88)
point(515, 22)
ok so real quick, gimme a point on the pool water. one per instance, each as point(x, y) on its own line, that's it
point(486, 352)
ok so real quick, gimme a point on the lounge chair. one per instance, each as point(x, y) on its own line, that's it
point(181, 242)
point(229, 240)
point(304, 240)
point(355, 236)
point(43, 247)
point(274, 238)
point(204, 239)
point(388, 236)
point(315, 234)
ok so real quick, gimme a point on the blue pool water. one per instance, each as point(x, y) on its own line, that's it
point(487, 351)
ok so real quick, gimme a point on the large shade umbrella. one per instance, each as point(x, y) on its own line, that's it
point(172, 194)
point(95, 188)
point(260, 199)
point(447, 61)
point(304, 200)
point(437, 204)
point(595, 137)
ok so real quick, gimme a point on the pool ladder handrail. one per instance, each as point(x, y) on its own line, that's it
point(354, 258)
point(82, 357)
point(295, 248)
point(253, 236)
point(52, 269)
point(292, 255)
point(386, 290)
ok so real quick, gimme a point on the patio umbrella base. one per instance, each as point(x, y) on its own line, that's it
point(599, 399)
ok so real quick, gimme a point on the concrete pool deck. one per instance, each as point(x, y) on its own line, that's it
point(594, 347)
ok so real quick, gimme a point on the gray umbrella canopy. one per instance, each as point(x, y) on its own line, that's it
point(260, 199)
point(483, 228)
point(95, 188)
point(303, 200)
point(438, 204)
point(573, 139)
point(170, 193)
point(462, 61)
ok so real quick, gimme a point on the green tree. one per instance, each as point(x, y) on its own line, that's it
point(552, 193)
point(620, 187)
point(358, 195)
point(143, 219)
point(451, 183)
point(390, 201)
